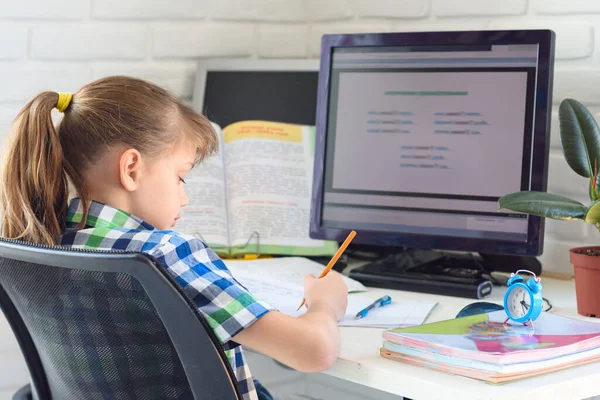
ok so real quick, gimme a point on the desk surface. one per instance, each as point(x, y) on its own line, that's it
point(360, 361)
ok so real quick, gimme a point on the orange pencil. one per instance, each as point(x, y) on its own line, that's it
point(334, 259)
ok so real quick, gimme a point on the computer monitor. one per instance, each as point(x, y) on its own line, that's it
point(420, 134)
point(280, 90)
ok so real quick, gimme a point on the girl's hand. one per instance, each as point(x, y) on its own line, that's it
point(331, 291)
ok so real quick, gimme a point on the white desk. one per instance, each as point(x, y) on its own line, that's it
point(361, 363)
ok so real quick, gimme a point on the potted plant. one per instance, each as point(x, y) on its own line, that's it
point(580, 138)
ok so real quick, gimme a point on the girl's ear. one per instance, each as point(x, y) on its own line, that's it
point(130, 167)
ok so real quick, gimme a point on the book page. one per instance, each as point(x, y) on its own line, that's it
point(269, 169)
point(206, 214)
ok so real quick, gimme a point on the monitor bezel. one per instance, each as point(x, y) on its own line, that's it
point(540, 149)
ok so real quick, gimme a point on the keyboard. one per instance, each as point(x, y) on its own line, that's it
point(458, 276)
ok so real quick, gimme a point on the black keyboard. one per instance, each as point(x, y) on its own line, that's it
point(444, 275)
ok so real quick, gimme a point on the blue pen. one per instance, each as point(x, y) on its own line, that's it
point(385, 300)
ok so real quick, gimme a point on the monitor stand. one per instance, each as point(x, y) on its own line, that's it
point(430, 271)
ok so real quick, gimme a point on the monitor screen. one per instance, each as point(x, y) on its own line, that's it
point(252, 94)
point(418, 141)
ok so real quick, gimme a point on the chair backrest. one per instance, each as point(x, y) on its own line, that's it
point(106, 324)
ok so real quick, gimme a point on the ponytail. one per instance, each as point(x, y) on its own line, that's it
point(34, 182)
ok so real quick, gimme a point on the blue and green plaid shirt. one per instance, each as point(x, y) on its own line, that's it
point(227, 306)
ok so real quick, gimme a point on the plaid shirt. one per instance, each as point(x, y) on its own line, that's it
point(227, 306)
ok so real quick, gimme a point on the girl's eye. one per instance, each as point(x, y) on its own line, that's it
point(181, 179)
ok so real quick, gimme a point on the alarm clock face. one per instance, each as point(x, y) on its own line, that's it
point(518, 302)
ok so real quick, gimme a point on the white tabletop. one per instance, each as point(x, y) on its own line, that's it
point(360, 361)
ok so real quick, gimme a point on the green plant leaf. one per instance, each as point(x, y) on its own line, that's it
point(543, 204)
point(580, 137)
point(592, 216)
point(594, 194)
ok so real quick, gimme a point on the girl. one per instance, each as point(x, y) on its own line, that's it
point(124, 147)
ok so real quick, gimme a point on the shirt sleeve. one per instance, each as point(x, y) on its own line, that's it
point(227, 305)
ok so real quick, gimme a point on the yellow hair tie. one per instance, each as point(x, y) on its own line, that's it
point(64, 99)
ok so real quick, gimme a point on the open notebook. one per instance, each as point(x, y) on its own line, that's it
point(280, 283)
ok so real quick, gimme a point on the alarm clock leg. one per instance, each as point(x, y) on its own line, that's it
point(530, 324)
point(506, 321)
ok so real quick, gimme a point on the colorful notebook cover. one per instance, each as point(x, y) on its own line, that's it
point(488, 339)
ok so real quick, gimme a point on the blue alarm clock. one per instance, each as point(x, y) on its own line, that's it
point(523, 301)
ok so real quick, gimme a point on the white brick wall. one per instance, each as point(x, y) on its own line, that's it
point(136, 10)
point(260, 10)
point(13, 41)
point(392, 8)
point(476, 8)
point(330, 10)
point(88, 41)
point(282, 41)
point(45, 10)
point(190, 40)
point(561, 7)
point(579, 82)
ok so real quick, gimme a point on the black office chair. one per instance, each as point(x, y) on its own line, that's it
point(107, 325)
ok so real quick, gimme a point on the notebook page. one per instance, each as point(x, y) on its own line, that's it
point(396, 314)
point(287, 272)
point(280, 283)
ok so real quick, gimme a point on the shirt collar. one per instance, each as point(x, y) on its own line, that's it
point(103, 215)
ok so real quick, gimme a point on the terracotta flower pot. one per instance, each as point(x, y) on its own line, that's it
point(586, 263)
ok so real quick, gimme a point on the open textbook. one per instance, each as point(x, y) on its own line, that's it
point(254, 195)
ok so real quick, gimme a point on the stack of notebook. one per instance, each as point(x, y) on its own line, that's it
point(484, 347)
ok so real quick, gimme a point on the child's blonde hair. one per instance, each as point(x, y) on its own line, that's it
point(113, 111)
